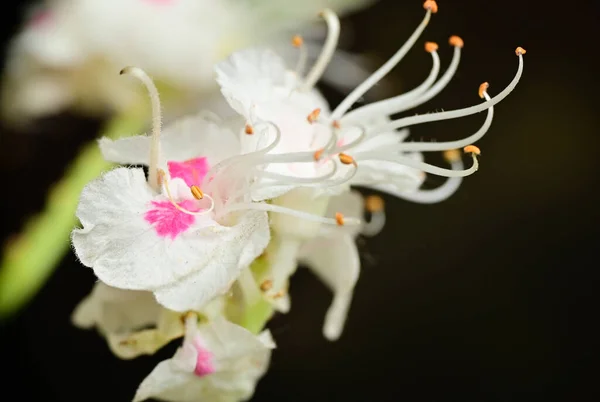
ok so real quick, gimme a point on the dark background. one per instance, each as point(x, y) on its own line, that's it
point(489, 296)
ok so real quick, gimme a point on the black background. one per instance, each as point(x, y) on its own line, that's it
point(489, 296)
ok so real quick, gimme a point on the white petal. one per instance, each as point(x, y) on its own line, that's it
point(336, 262)
point(186, 138)
point(116, 310)
point(245, 241)
point(249, 76)
point(125, 251)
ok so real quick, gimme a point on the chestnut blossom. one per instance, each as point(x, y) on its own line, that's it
point(218, 361)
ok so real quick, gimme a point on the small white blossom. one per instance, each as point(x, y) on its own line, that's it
point(218, 361)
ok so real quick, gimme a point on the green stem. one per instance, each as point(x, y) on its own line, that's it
point(30, 258)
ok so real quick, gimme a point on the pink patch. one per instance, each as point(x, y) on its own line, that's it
point(204, 359)
point(191, 171)
point(167, 220)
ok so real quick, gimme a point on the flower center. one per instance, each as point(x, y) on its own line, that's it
point(167, 220)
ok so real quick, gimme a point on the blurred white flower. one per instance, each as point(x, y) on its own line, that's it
point(218, 361)
point(69, 51)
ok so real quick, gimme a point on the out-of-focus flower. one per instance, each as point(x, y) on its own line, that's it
point(218, 361)
point(69, 51)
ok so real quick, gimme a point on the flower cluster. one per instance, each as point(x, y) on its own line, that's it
point(204, 246)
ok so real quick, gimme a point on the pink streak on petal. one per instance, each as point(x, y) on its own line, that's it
point(191, 171)
point(204, 359)
point(167, 220)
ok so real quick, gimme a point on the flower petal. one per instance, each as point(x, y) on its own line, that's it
point(335, 260)
point(126, 251)
point(186, 138)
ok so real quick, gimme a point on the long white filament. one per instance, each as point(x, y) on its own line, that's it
point(381, 72)
point(153, 176)
point(453, 114)
point(333, 36)
point(388, 106)
point(425, 167)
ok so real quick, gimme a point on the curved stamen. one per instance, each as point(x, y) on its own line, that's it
point(141, 75)
point(375, 206)
point(333, 35)
point(287, 211)
point(442, 192)
point(300, 180)
point(432, 92)
point(165, 180)
point(447, 145)
point(383, 70)
point(389, 106)
point(355, 142)
point(298, 42)
point(425, 167)
point(453, 114)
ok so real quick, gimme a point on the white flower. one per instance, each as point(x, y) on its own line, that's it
point(367, 149)
point(218, 361)
point(68, 52)
point(167, 235)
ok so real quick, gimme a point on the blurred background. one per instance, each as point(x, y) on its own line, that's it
point(489, 296)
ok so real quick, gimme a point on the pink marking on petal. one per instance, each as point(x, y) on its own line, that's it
point(167, 220)
point(204, 359)
point(192, 171)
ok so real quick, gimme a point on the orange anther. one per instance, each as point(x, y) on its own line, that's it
point(266, 285)
point(196, 192)
point(339, 218)
point(519, 51)
point(472, 149)
point(314, 115)
point(248, 129)
point(336, 124)
point(431, 47)
point(452, 155)
point(456, 41)
point(297, 41)
point(317, 155)
point(431, 5)
point(374, 203)
point(346, 159)
point(483, 89)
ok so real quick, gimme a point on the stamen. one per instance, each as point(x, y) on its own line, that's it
point(333, 35)
point(448, 145)
point(248, 129)
point(413, 120)
point(452, 155)
point(359, 91)
point(336, 124)
point(431, 5)
point(374, 203)
point(425, 167)
point(520, 51)
point(196, 192)
point(431, 47)
point(339, 218)
point(483, 89)
point(163, 177)
point(391, 105)
point(472, 149)
point(286, 211)
point(266, 285)
point(318, 153)
point(298, 42)
point(314, 115)
point(456, 41)
point(347, 159)
point(141, 75)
